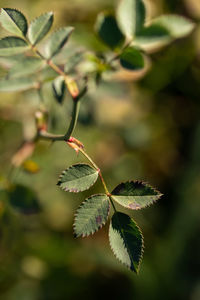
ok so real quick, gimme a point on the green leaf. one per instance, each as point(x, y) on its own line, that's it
point(178, 26)
point(152, 36)
point(73, 61)
point(108, 30)
point(16, 84)
point(131, 16)
point(39, 27)
point(126, 240)
point(12, 45)
point(13, 21)
point(58, 87)
point(26, 66)
point(77, 178)
point(57, 41)
point(135, 194)
point(24, 200)
point(132, 59)
point(92, 215)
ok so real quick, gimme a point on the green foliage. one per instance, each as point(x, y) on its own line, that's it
point(132, 59)
point(126, 240)
point(58, 87)
point(12, 45)
point(13, 21)
point(92, 215)
point(16, 84)
point(26, 66)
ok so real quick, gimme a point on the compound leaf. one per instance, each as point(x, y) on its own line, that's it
point(39, 27)
point(12, 45)
point(16, 84)
point(77, 178)
point(131, 16)
point(58, 87)
point(108, 30)
point(57, 41)
point(132, 59)
point(135, 194)
point(26, 66)
point(126, 240)
point(92, 215)
point(13, 21)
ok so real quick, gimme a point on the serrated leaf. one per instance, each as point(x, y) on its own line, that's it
point(58, 87)
point(26, 66)
point(57, 41)
point(12, 45)
point(131, 16)
point(135, 194)
point(132, 59)
point(77, 178)
point(13, 21)
point(16, 84)
point(39, 27)
point(126, 240)
point(92, 215)
point(177, 26)
point(108, 30)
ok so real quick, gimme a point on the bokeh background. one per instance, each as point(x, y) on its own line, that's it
point(145, 129)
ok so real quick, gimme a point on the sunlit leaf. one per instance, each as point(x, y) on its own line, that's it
point(39, 27)
point(26, 66)
point(135, 194)
point(58, 86)
point(77, 178)
point(13, 21)
point(131, 16)
point(126, 240)
point(57, 41)
point(132, 59)
point(12, 45)
point(108, 30)
point(16, 84)
point(92, 215)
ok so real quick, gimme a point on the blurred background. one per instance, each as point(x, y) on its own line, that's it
point(146, 129)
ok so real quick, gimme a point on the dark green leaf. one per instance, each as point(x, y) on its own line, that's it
point(16, 84)
point(135, 194)
point(126, 240)
point(77, 178)
point(92, 215)
point(108, 30)
point(131, 16)
point(57, 41)
point(13, 21)
point(39, 27)
point(132, 59)
point(12, 45)
point(58, 86)
point(26, 66)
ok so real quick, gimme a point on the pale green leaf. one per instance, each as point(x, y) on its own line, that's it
point(132, 59)
point(39, 27)
point(12, 45)
point(57, 41)
point(177, 26)
point(16, 84)
point(135, 194)
point(92, 215)
point(58, 87)
point(13, 21)
point(131, 16)
point(26, 66)
point(77, 178)
point(73, 61)
point(126, 241)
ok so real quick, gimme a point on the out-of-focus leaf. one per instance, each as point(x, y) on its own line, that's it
point(58, 87)
point(30, 166)
point(177, 26)
point(13, 21)
point(132, 59)
point(108, 30)
point(131, 16)
point(24, 200)
point(12, 45)
point(135, 194)
point(73, 61)
point(126, 240)
point(57, 41)
point(92, 215)
point(25, 151)
point(16, 84)
point(26, 66)
point(77, 178)
point(39, 27)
